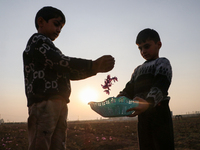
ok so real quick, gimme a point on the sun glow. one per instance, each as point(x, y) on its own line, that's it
point(88, 94)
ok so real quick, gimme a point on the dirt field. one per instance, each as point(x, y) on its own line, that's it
point(101, 135)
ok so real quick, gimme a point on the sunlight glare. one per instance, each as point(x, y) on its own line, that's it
point(88, 94)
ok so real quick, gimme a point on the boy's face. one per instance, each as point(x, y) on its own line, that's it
point(149, 49)
point(52, 28)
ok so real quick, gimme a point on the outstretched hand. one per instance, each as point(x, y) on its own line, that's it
point(142, 107)
point(103, 64)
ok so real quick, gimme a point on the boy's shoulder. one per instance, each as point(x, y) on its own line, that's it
point(37, 36)
point(39, 41)
point(162, 60)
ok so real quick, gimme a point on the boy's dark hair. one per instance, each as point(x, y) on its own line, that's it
point(147, 34)
point(47, 13)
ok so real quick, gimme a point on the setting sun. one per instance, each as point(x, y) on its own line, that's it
point(88, 94)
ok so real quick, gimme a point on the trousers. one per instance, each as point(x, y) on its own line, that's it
point(47, 125)
point(155, 128)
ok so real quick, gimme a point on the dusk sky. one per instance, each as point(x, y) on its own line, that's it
point(95, 28)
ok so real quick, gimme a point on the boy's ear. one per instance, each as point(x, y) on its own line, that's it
point(159, 44)
point(40, 21)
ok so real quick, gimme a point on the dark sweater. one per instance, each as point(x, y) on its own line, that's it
point(150, 81)
point(47, 72)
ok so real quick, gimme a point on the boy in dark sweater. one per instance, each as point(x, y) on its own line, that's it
point(47, 74)
point(149, 85)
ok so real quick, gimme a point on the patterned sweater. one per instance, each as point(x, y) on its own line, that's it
point(47, 72)
point(150, 81)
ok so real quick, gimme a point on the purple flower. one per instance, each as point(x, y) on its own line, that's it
point(108, 83)
point(103, 138)
point(110, 138)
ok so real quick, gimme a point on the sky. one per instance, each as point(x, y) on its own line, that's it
point(100, 27)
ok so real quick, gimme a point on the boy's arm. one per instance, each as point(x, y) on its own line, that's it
point(76, 68)
point(102, 64)
point(162, 81)
point(128, 91)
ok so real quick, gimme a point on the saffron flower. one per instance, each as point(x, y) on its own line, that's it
point(108, 83)
point(97, 138)
point(103, 138)
point(110, 138)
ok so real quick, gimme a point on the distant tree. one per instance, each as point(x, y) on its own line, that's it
point(1, 121)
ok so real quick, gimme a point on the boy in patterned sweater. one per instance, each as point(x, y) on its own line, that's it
point(149, 85)
point(47, 74)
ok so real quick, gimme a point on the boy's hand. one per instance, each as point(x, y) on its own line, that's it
point(103, 64)
point(142, 107)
